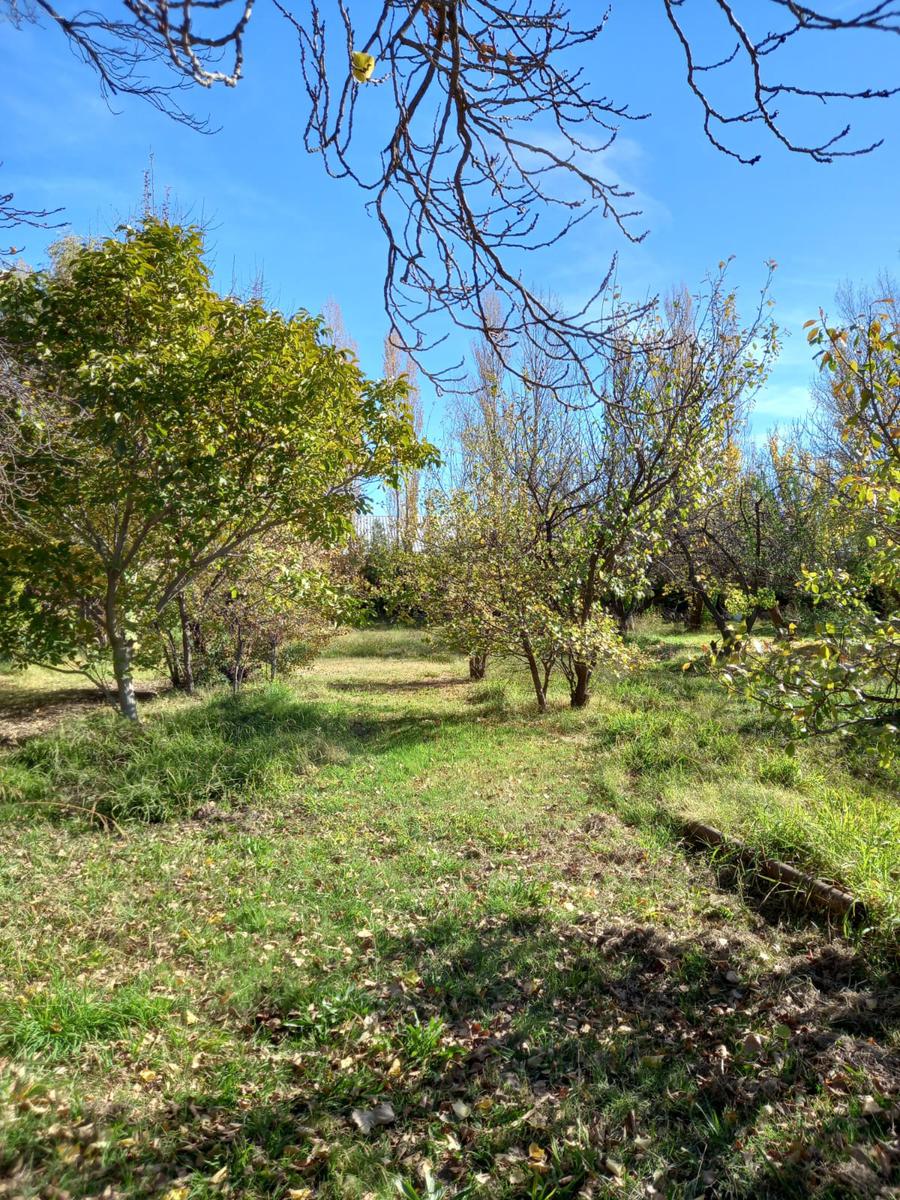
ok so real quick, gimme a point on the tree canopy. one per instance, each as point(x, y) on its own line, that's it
point(845, 679)
point(173, 426)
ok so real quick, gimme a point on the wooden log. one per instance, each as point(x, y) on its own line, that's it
point(816, 893)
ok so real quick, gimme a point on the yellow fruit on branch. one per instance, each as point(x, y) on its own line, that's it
point(361, 66)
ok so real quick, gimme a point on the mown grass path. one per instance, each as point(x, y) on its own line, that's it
point(404, 943)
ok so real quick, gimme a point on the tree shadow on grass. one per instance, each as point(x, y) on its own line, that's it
point(675, 1067)
point(28, 712)
point(542, 1058)
point(221, 750)
point(391, 685)
point(545, 1055)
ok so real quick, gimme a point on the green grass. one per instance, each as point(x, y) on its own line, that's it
point(389, 642)
point(223, 751)
point(60, 1018)
point(673, 745)
point(416, 891)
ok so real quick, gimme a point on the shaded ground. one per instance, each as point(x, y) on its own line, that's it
point(36, 701)
point(435, 918)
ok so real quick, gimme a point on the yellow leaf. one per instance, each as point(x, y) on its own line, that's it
point(361, 65)
point(652, 1060)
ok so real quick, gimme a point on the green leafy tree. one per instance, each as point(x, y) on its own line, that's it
point(740, 546)
point(485, 577)
point(187, 424)
point(549, 538)
point(846, 678)
point(480, 581)
point(272, 607)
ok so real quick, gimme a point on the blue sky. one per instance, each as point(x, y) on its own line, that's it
point(271, 210)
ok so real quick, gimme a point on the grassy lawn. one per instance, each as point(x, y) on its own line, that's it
point(389, 933)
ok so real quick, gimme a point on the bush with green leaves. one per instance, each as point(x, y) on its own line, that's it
point(845, 678)
point(185, 425)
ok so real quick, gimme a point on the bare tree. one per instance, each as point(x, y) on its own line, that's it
point(337, 328)
point(757, 53)
point(496, 141)
point(496, 145)
point(14, 217)
point(406, 496)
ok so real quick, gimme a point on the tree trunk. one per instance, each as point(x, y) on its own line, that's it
point(578, 689)
point(624, 614)
point(695, 613)
point(477, 666)
point(533, 667)
point(186, 649)
point(776, 616)
point(719, 615)
point(717, 611)
point(238, 662)
point(171, 657)
point(121, 648)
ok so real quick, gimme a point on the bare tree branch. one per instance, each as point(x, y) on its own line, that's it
point(491, 152)
point(756, 54)
point(496, 144)
point(13, 217)
point(155, 50)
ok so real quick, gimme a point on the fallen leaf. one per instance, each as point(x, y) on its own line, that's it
point(752, 1045)
point(366, 1119)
